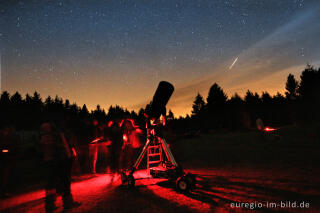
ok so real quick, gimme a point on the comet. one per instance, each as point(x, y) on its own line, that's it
point(235, 60)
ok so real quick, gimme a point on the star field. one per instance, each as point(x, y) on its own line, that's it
point(116, 52)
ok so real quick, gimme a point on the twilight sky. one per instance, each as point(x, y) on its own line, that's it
point(116, 52)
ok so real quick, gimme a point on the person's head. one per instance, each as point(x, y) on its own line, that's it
point(127, 125)
point(46, 128)
point(115, 128)
point(95, 122)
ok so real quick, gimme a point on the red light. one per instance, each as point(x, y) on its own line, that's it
point(74, 153)
point(110, 123)
point(269, 129)
point(162, 119)
point(5, 150)
point(152, 132)
point(138, 131)
point(125, 138)
point(133, 123)
point(96, 140)
point(120, 124)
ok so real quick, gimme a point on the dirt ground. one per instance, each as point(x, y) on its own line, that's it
point(236, 172)
point(218, 190)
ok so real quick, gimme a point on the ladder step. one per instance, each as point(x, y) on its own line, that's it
point(153, 147)
point(154, 154)
point(155, 161)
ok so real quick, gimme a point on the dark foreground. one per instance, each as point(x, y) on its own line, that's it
point(218, 189)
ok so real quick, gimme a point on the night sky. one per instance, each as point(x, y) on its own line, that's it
point(116, 52)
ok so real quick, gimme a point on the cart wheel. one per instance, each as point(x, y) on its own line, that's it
point(183, 184)
point(191, 179)
point(124, 178)
point(131, 181)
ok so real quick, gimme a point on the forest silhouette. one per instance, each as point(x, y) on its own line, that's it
point(300, 103)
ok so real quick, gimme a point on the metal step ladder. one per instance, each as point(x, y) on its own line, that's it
point(154, 155)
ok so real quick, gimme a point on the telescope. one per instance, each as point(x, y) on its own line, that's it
point(157, 107)
point(160, 160)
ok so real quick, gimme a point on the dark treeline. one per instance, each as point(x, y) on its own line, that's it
point(301, 103)
point(29, 113)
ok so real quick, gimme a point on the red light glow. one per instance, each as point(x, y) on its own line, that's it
point(152, 132)
point(81, 191)
point(96, 140)
point(138, 131)
point(216, 190)
point(120, 124)
point(74, 153)
point(5, 150)
point(125, 138)
point(269, 129)
point(110, 123)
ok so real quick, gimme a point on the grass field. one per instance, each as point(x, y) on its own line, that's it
point(289, 145)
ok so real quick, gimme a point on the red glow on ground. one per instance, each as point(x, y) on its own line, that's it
point(180, 199)
point(82, 190)
point(98, 188)
point(170, 193)
point(216, 189)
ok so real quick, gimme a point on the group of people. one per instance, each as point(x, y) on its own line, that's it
point(116, 144)
point(119, 146)
point(117, 150)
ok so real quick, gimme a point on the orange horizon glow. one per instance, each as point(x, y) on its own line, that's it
point(175, 105)
point(136, 97)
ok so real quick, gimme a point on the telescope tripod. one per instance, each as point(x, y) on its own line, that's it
point(160, 164)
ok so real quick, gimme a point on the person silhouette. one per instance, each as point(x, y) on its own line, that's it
point(58, 154)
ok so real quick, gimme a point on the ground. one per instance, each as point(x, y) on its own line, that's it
point(250, 169)
point(217, 190)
